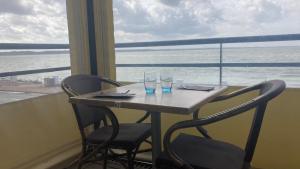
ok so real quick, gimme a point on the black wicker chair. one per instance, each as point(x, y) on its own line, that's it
point(188, 151)
point(100, 143)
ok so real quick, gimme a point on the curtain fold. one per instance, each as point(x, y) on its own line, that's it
point(79, 37)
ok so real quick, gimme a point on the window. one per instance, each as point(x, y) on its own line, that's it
point(34, 54)
point(209, 60)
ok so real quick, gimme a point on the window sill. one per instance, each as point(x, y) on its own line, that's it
point(12, 91)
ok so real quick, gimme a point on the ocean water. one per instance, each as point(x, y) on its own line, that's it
point(231, 76)
point(19, 62)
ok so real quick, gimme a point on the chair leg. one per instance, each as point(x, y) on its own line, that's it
point(83, 153)
point(130, 159)
point(78, 161)
point(72, 163)
point(105, 158)
point(247, 165)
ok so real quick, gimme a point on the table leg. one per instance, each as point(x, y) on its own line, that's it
point(156, 136)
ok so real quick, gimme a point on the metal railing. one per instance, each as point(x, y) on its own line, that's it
point(22, 46)
point(220, 41)
point(35, 71)
point(32, 46)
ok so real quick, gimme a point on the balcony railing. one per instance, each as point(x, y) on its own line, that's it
point(220, 41)
point(22, 46)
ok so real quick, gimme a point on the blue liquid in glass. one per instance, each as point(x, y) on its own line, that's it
point(150, 90)
point(166, 89)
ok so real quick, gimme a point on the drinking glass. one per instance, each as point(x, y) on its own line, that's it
point(166, 81)
point(150, 82)
point(179, 83)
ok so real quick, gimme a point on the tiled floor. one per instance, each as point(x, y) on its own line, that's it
point(115, 165)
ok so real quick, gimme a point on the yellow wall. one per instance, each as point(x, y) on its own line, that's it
point(279, 142)
point(35, 130)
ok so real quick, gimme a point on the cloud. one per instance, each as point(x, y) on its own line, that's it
point(43, 21)
point(18, 7)
point(181, 19)
point(171, 2)
point(269, 11)
point(165, 19)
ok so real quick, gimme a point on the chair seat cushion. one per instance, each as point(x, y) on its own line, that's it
point(129, 136)
point(203, 153)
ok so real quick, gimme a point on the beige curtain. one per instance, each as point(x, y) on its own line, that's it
point(79, 39)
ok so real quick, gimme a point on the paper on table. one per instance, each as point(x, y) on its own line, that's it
point(196, 87)
point(114, 95)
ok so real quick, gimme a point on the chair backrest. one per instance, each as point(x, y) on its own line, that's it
point(81, 84)
point(267, 91)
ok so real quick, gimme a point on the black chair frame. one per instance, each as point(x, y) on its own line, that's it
point(267, 91)
point(88, 150)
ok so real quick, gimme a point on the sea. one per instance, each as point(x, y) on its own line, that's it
point(239, 76)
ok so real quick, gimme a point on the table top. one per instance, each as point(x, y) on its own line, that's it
point(179, 101)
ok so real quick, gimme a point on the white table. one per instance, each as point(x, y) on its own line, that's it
point(178, 102)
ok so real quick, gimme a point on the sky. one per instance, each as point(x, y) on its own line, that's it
point(33, 21)
point(45, 21)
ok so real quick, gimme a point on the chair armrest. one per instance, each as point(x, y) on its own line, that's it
point(111, 116)
point(200, 129)
point(143, 118)
point(236, 93)
point(114, 122)
point(115, 131)
point(201, 122)
point(112, 82)
point(222, 98)
point(214, 117)
point(267, 91)
point(70, 92)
